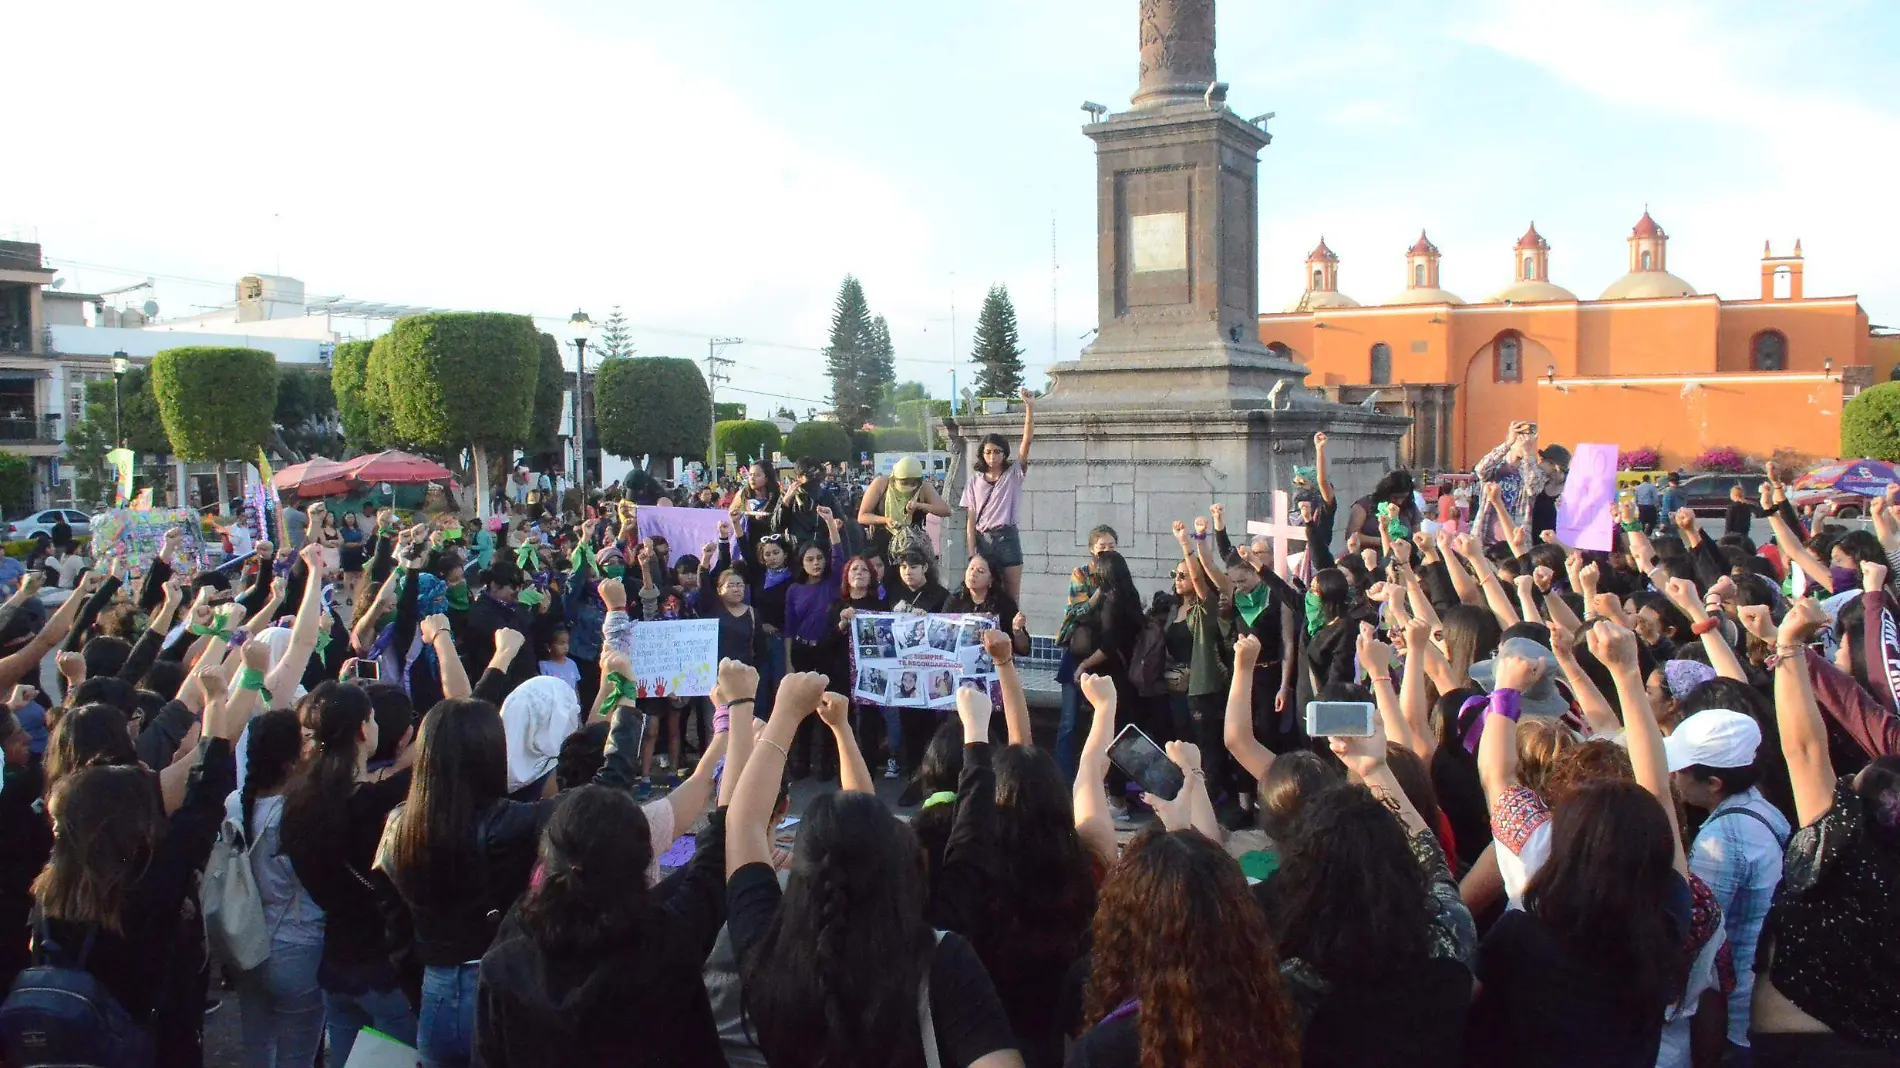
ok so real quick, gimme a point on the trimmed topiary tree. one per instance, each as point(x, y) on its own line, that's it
point(746, 439)
point(349, 380)
point(216, 404)
point(549, 384)
point(820, 441)
point(16, 483)
point(1870, 424)
point(455, 380)
point(652, 406)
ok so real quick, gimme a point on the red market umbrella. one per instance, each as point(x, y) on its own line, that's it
point(315, 477)
point(397, 468)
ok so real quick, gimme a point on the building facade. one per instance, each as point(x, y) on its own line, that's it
point(1650, 362)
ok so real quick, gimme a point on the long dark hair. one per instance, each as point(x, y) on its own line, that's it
point(1000, 442)
point(108, 822)
point(314, 819)
point(834, 981)
point(1351, 898)
point(461, 769)
point(593, 893)
point(1179, 931)
point(941, 770)
point(1119, 615)
point(1045, 895)
point(1335, 594)
point(93, 735)
point(275, 741)
point(1291, 780)
point(1601, 892)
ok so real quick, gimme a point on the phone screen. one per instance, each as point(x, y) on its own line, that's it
point(360, 670)
point(1143, 761)
point(1340, 719)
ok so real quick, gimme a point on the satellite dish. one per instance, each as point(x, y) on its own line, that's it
point(150, 308)
point(59, 283)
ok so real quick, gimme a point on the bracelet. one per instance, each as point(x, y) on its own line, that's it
point(1199, 774)
point(782, 750)
point(1200, 537)
point(740, 701)
point(1379, 678)
point(251, 679)
point(1632, 528)
point(1704, 627)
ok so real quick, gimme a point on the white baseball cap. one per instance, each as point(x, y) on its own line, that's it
point(1714, 738)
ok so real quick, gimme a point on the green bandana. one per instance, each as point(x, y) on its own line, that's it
point(323, 642)
point(614, 571)
point(1250, 603)
point(526, 558)
point(621, 690)
point(458, 597)
point(530, 597)
point(583, 554)
point(215, 629)
point(941, 797)
point(1314, 617)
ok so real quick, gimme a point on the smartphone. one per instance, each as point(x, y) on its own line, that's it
point(1340, 719)
point(360, 670)
point(1533, 429)
point(1142, 760)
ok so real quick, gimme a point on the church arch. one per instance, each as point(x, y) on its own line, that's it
point(1768, 351)
point(1381, 365)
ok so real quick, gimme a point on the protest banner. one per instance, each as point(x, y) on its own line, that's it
point(1583, 512)
point(675, 657)
point(686, 530)
point(921, 661)
point(133, 535)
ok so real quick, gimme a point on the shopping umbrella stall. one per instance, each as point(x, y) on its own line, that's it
point(1848, 483)
point(391, 477)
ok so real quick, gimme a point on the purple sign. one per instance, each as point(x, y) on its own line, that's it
point(1585, 513)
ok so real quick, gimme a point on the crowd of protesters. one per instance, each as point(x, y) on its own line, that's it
point(1637, 807)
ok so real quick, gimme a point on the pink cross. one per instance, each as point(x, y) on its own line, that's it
point(1280, 529)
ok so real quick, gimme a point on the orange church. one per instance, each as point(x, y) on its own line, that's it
point(1648, 363)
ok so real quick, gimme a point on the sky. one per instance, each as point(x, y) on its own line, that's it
point(718, 168)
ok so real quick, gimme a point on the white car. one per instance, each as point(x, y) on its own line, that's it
point(40, 525)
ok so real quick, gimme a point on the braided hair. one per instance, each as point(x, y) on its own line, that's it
point(270, 754)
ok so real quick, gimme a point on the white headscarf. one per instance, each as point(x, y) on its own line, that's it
point(536, 719)
point(277, 640)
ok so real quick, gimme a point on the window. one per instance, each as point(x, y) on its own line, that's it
point(1768, 352)
point(1318, 277)
point(1530, 269)
point(1418, 274)
point(1509, 353)
point(1784, 283)
point(1645, 259)
point(1381, 364)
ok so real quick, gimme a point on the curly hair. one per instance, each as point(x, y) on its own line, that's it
point(1178, 930)
point(1597, 760)
point(1541, 744)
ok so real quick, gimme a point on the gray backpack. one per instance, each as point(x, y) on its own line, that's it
point(235, 924)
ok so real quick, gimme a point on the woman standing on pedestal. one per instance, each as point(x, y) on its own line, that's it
point(991, 498)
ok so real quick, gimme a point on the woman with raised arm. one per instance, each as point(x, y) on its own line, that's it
point(1197, 642)
point(991, 497)
point(835, 964)
point(1514, 469)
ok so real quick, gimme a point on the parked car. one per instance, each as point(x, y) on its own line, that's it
point(1707, 495)
point(1846, 505)
point(40, 525)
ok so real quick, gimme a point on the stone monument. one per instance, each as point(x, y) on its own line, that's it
point(1175, 404)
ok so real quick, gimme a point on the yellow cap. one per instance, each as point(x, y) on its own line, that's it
point(907, 467)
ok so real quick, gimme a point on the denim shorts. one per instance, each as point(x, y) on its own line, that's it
point(1004, 546)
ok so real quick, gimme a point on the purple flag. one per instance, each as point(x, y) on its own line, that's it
point(1586, 511)
point(686, 530)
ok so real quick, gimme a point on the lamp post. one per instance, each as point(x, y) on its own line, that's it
point(120, 365)
point(579, 329)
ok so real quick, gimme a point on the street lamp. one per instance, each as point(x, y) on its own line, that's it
point(579, 329)
point(120, 365)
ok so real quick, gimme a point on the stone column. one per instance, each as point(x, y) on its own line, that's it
point(1177, 52)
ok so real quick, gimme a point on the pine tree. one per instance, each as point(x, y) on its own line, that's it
point(615, 339)
point(880, 368)
point(846, 356)
point(999, 350)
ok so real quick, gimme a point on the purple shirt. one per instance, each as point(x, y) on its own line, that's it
point(808, 605)
point(993, 504)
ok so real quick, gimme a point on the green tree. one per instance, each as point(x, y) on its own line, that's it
point(655, 406)
point(746, 439)
point(144, 431)
point(880, 367)
point(457, 380)
point(820, 441)
point(1870, 424)
point(549, 386)
point(16, 483)
point(999, 351)
point(847, 354)
point(87, 443)
point(897, 439)
point(216, 403)
point(615, 341)
point(349, 380)
point(728, 411)
point(306, 415)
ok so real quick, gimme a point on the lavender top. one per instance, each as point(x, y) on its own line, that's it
point(808, 605)
point(994, 503)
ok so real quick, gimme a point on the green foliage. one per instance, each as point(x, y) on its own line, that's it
point(820, 441)
point(848, 355)
point(549, 384)
point(880, 367)
point(144, 431)
point(897, 439)
point(216, 403)
point(904, 392)
point(728, 411)
point(16, 483)
point(23, 548)
point(454, 379)
point(746, 439)
point(655, 406)
point(615, 341)
point(349, 380)
point(306, 414)
point(1870, 424)
point(999, 350)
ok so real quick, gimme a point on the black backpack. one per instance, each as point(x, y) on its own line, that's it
point(59, 1013)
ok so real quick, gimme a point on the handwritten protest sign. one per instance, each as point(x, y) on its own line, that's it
point(676, 657)
point(921, 661)
point(1583, 512)
point(133, 536)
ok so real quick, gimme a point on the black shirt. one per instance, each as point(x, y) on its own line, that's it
point(931, 598)
point(1319, 533)
point(338, 881)
point(964, 1007)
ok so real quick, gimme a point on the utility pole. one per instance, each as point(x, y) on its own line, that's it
point(716, 373)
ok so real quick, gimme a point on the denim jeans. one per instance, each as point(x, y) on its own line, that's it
point(771, 671)
point(1068, 746)
point(281, 1008)
point(387, 1011)
point(893, 732)
point(445, 1036)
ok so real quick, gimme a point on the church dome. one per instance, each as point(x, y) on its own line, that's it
point(1531, 292)
point(1426, 295)
point(1315, 299)
point(1637, 285)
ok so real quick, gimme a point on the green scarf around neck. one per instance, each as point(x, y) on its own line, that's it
point(1250, 603)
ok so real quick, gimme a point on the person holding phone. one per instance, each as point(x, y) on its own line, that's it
point(1515, 469)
